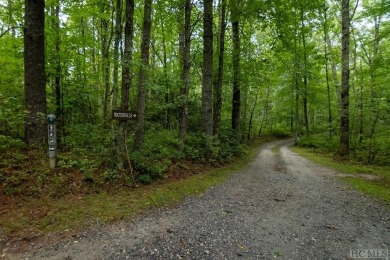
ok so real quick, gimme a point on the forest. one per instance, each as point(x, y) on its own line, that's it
point(204, 79)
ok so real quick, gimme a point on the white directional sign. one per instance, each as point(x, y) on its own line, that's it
point(124, 115)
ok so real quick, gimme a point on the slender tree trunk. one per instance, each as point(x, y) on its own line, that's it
point(142, 82)
point(126, 84)
point(207, 81)
point(219, 79)
point(374, 102)
point(297, 89)
point(251, 118)
point(127, 55)
point(106, 42)
point(117, 39)
point(333, 67)
point(55, 26)
point(361, 107)
point(185, 75)
point(236, 106)
point(34, 72)
point(305, 77)
point(166, 81)
point(265, 111)
point(326, 53)
point(344, 122)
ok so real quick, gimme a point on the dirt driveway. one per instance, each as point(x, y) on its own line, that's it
point(281, 206)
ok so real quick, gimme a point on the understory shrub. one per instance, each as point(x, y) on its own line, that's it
point(159, 148)
point(200, 147)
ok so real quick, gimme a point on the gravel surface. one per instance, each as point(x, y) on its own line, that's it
point(281, 206)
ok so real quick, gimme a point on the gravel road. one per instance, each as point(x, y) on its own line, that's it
point(281, 206)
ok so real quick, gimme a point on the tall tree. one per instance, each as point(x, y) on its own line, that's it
point(207, 81)
point(120, 140)
point(344, 120)
point(34, 75)
point(106, 37)
point(58, 71)
point(186, 66)
point(305, 73)
point(142, 80)
point(219, 78)
point(117, 39)
point(236, 106)
point(326, 60)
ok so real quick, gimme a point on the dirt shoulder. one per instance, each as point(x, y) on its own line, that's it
point(280, 206)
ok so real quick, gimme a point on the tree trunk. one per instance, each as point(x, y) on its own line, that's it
point(127, 55)
point(106, 43)
point(34, 75)
point(207, 81)
point(305, 77)
point(251, 118)
point(142, 82)
point(344, 122)
point(219, 80)
point(185, 76)
point(374, 101)
point(118, 38)
point(121, 139)
point(56, 61)
point(326, 59)
point(334, 71)
point(236, 106)
point(265, 111)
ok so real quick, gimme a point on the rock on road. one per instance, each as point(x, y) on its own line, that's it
point(281, 206)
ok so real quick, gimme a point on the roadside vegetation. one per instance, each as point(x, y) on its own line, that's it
point(321, 150)
point(80, 192)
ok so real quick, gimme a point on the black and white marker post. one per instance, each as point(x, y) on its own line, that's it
point(52, 141)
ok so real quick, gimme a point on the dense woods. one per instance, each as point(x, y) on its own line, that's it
point(205, 77)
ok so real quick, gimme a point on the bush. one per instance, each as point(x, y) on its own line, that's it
point(8, 142)
point(318, 142)
point(203, 148)
point(160, 147)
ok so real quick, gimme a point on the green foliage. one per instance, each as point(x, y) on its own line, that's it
point(321, 142)
point(160, 148)
point(9, 142)
point(200, 147)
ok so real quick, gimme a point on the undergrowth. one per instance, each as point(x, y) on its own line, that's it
point(81, 191)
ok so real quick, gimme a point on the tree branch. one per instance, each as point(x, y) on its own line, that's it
point(9, 29)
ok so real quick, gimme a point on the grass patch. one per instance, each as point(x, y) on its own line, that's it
point(373, 189)
point(26, 216)
point(378, 188)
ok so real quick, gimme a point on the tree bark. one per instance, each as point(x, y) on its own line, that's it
point(305, 77)
point(236, 102)
point(127, 55)
point(344, 94)
point(106, 38)
point(117, 39)
point(142, 82)
point(121, 140)
point(251, 118)
point(326, 60)
point(207, 81)
point(185, 76)
point(219, 79)
point(34, 75)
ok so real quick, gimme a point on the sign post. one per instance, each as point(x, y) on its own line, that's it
point(52, 139)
